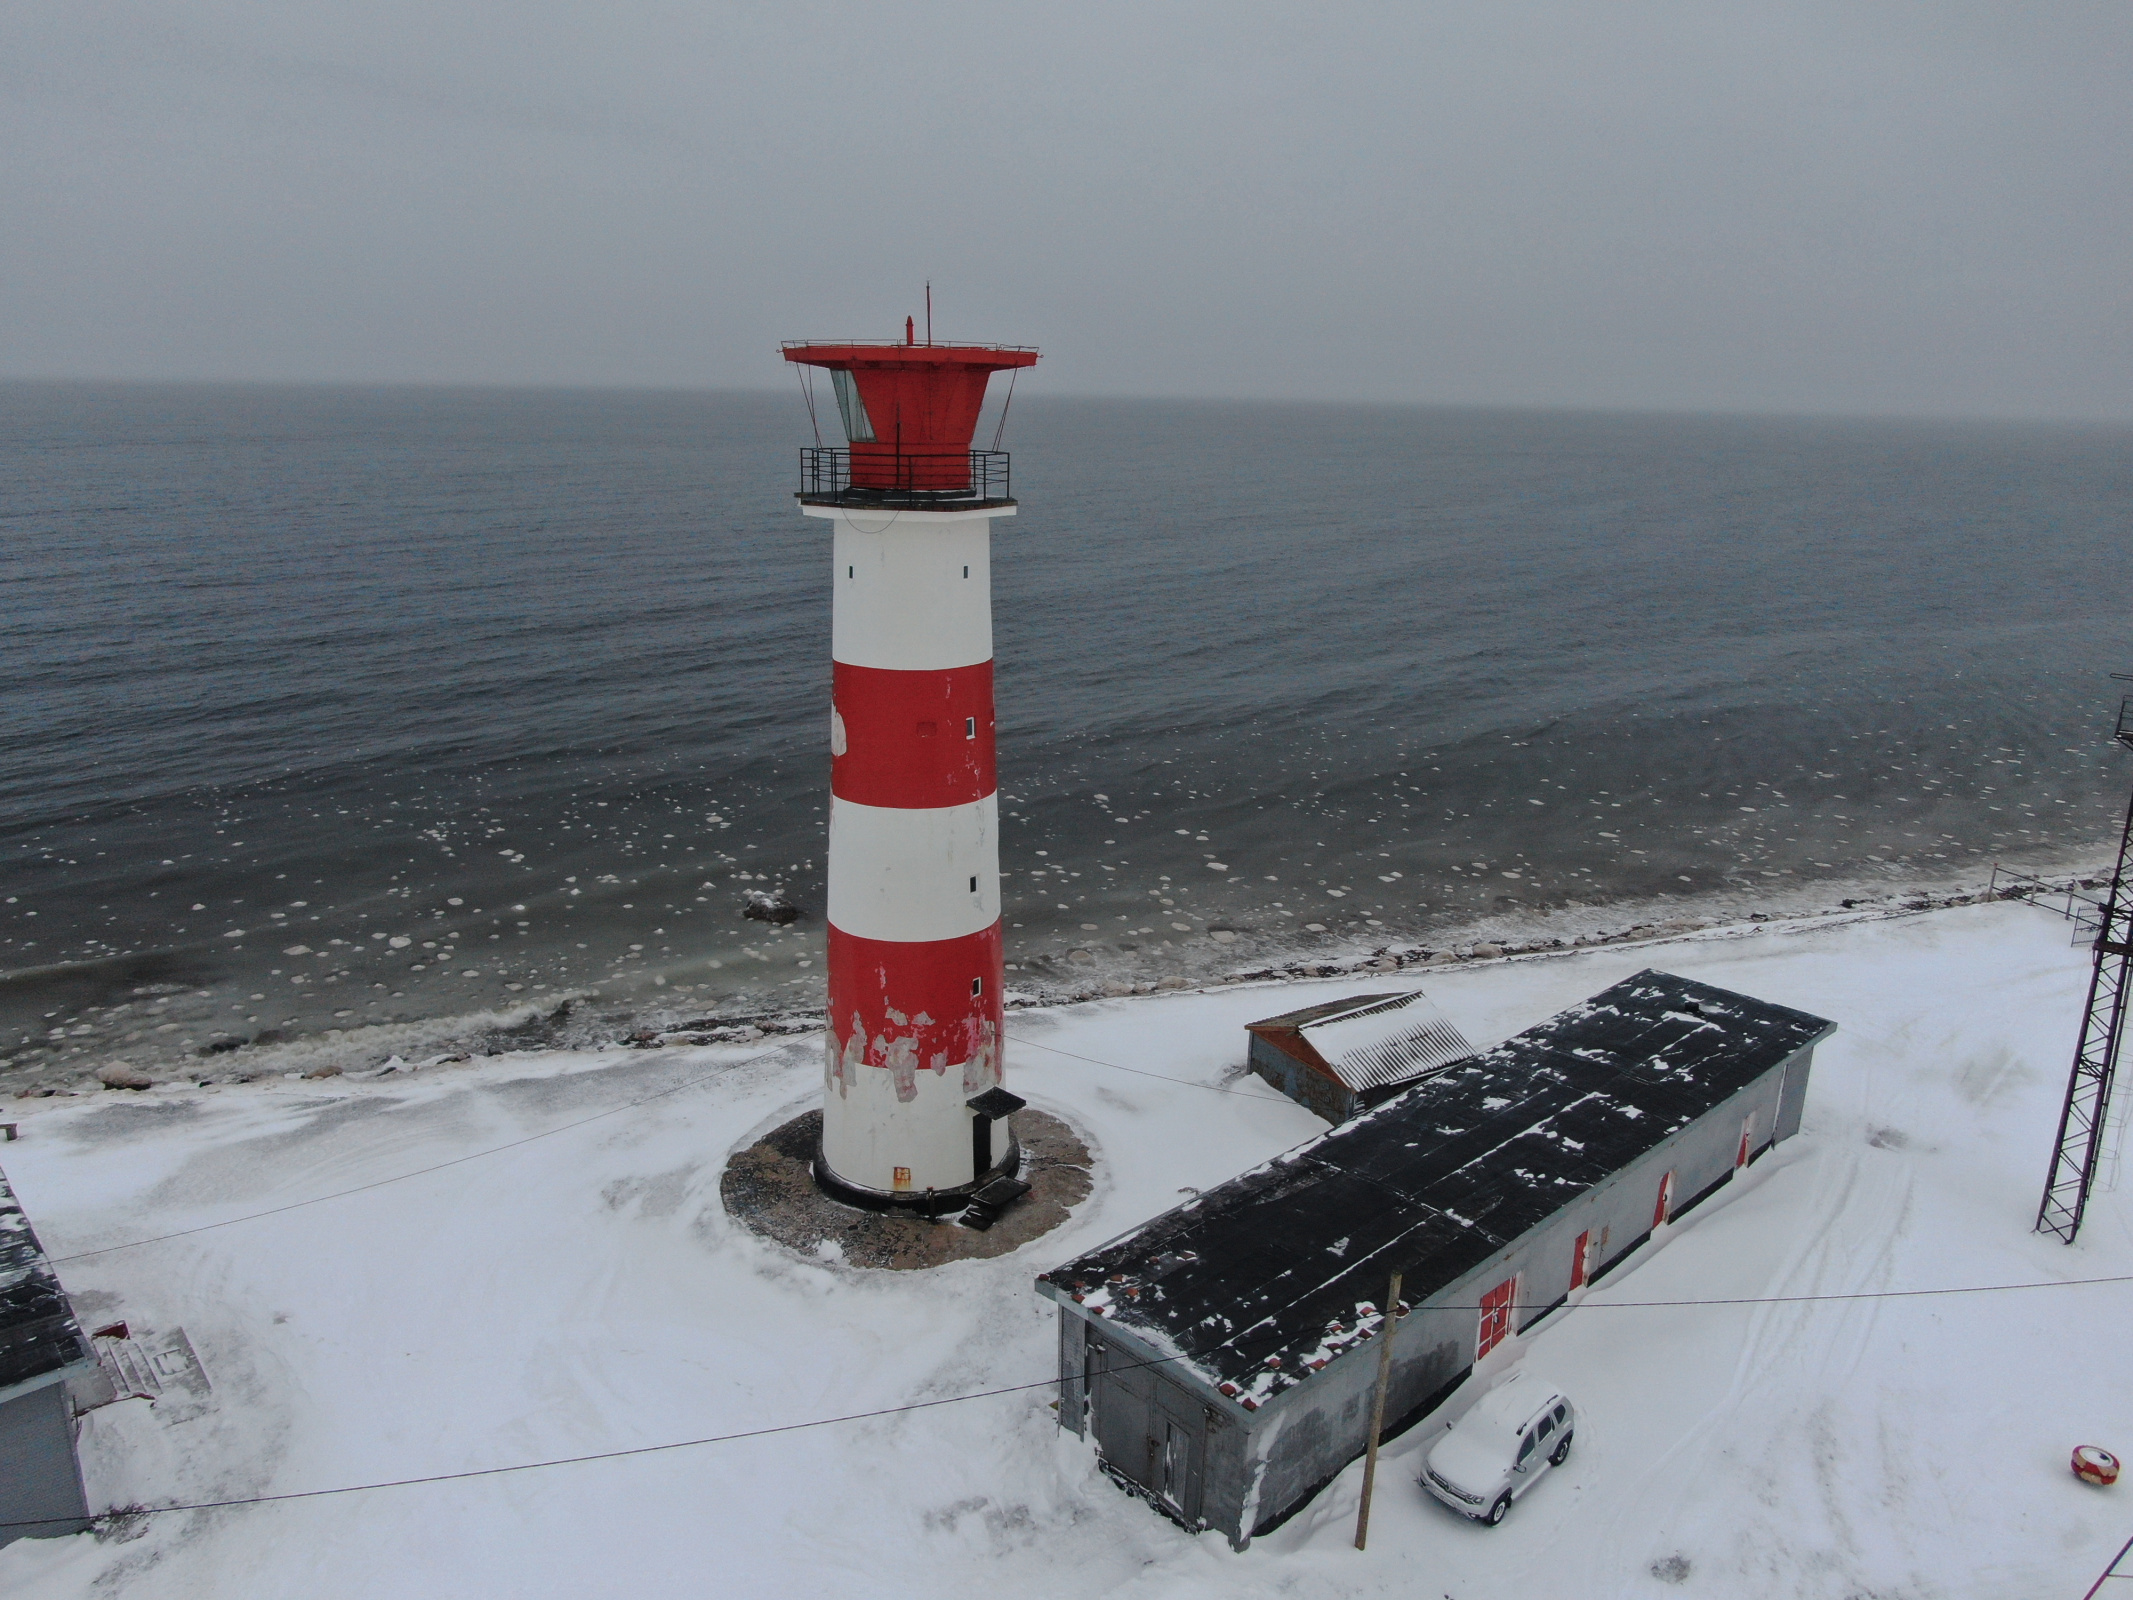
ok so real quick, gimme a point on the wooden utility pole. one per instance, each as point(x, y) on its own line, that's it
point(1377, 1408)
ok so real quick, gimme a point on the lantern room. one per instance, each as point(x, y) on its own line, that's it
point(909, 411)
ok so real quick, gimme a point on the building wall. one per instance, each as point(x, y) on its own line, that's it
point(1312, 1432)
point(1794, 1105)
point(1618, 1213)
point(1308, 1434)
point(1314, 1091)
point(39, 1476)
point(1138, 1393)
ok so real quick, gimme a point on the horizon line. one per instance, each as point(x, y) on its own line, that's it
point(1556, 407)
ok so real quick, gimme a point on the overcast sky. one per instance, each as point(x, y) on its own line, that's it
point(1853, 207)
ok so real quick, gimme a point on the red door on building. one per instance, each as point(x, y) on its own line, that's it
point(1580, 1257)
point(1495, 1317)
point(1747, 1137)
point(1665, 1207)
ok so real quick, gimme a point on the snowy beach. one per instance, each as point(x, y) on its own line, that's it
point(526, 1260)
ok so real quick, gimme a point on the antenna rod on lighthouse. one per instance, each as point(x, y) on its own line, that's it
point(929, 311)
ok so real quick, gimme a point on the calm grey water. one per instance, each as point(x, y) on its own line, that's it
point(380, 710)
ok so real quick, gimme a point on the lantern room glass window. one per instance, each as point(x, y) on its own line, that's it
point(857, 429)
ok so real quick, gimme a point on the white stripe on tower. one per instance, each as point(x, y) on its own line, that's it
point(914, 896)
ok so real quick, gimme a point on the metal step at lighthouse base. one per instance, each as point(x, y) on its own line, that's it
point(991, 1200)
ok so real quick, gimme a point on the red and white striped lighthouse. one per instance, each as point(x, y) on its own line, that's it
point(913, 1106)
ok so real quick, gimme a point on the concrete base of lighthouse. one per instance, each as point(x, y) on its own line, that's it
point(928, 1203)
point(770, 1187)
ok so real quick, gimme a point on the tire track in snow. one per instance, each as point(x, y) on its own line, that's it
point(1784, 1351)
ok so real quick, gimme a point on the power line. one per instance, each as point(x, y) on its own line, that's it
point(575, 1461)
point(476, 1155)
point(1857, 1294)
point(983, 1394)
point(1138, 1072)
point(401, 1177)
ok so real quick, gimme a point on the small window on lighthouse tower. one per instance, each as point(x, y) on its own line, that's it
point(973, 886)
point(977, 987)
point(966, 572)
point(970, 727)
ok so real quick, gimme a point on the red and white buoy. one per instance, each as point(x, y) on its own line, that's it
point(2094, 1464)
point(915, 962)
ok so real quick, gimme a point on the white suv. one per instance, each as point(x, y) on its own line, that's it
point(1500, 1448)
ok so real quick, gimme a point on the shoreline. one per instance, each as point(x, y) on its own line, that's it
point(584, 1020)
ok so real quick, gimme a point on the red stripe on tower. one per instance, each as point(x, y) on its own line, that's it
point(953, 983)
point(912, 739)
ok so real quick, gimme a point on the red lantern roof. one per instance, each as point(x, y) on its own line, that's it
point(910, 409)
point(920, 399)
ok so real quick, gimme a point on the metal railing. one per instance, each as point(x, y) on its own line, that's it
point(2080, 901)
point(914, 480)
point(2071, 898)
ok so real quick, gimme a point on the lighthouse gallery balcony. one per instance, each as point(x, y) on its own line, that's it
point(910, 479)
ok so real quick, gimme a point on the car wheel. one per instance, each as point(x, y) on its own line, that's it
point(1500, 1510)
point(1562, 1452)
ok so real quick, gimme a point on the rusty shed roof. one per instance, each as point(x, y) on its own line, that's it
point(1368, 1041)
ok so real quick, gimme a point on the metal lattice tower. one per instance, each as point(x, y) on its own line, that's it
point(2103, 1021)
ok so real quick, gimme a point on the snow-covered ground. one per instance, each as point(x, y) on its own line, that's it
point(585, 1292)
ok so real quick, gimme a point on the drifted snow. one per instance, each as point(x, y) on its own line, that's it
point(586, 1292)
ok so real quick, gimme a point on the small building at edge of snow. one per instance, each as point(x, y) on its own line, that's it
point(1344, 1056)
point(1221, 1355)
point(42, 1353)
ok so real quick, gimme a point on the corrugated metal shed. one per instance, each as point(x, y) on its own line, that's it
point(1393, 1039)
point(1341, 1056)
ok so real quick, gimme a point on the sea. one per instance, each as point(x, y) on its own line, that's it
point(339, 723)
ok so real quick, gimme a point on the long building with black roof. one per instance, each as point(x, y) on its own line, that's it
point(1216, 1352)
point(41, 1350)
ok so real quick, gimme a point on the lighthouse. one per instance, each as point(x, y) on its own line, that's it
point(914, 1112)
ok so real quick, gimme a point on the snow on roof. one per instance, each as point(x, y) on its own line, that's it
point(38, 1333)
point(1383, 1039)
point(1260, 1282)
